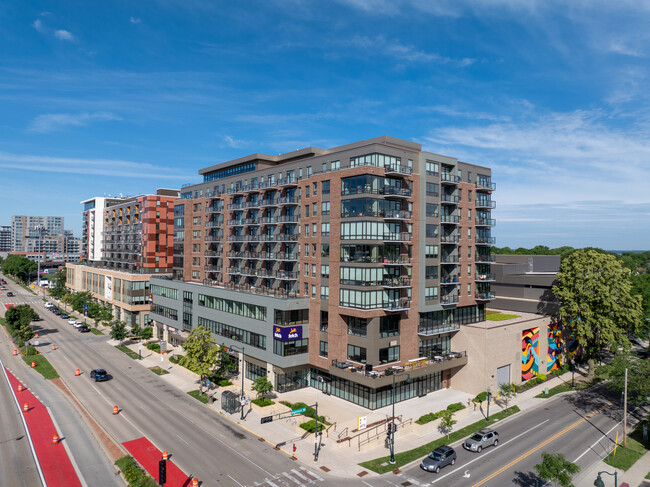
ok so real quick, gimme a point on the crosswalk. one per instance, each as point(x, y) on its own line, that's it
point(296, 477)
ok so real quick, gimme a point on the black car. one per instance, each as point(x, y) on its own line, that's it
point(64, 316)
point(84, 329)
point(99, 375)
point(10, 294)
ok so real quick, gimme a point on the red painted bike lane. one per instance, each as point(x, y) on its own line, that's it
point(148, 456)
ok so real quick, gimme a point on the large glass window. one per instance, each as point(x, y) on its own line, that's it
point(293, 347)
point(389, 326)
point(254, 371)
point(357, 354)
point(233, 333)
point(389, 354)
point(235, 307)
point(357, 326)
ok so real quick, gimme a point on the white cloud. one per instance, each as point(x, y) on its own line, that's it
point(134, 20)
point(38, 25)
point(56, 121)
point(232, 142)
point(97, 167)
point(64, 35)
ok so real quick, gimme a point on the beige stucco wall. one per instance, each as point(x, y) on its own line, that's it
point(494, 344)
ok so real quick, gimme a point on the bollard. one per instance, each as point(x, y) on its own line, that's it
point(21, 388)
point(53, 347)
point(26, 407)
point(33, 365)
point(115, 410)
point(165, 455)
point(15, 352)
point(36, 336)
point(55, 440)
point(77, 372)
point(195, 482)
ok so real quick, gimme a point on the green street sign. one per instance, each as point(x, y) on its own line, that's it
point(298, 411)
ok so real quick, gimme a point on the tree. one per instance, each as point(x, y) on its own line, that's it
point(262, 386)
point(201, 353)
point(19, 266)
point(105, 314)
point(556, 468)
point(136, 331)
point(57, 289)
point(638, 371)
point(118, 330)
point(597, 305)
point(225, 364)
point(19, 319)
point(507, 391)
point(146, 333)
point(447, 422)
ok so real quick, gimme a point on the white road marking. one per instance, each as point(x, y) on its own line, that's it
point(595, 443)
point(312, 474)
point(466, 474)
point(270, 483)
point(235, 481)
point(179, 436)
point(145, 409)
point(478, 457)
point(296, 472)
point(286, 474)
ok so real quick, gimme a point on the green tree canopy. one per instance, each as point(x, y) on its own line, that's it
point(58, 289)
point(118, 330)
point(557, 469)
point(597, 304)
point(201, 353)
point(262, 386)
point(638, 371)
point(19, 266)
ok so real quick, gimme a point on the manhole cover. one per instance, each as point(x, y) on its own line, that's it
point(361, 474)
point(325, 469)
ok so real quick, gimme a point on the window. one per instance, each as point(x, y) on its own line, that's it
point(469, 177)
point(432, 168)
point(196, 247)
point(469, 214)
point(313, 290)
point(324, 292)
point(325, 187)
point(357, 354)
point(432, 210)
point(196, 275)
point(432, 231)
point(315, 189)
point(314, 209)
point(314, 231)
point(431, 292)
point(431, 252)
point(323, 349)
point(293, 347)
point(325, 208)
point(197, 207)
point(325, 271)
point(307, 191)
point(469, 251)
point(469, 195)
point(306, 269)
point(432, 189)
point(306, 230)
point(196, 220)
point(469, 289)
point(307, 211)
point(389, 326)
point(254, 371)
point(196, 233)
point(325, 250)
point(196, 261)
point(235, 307)
point(309, 171)
point(357, 326)
point(325, 229)
point(324, 169)
point(335, 165)
point(306, 293)
point(431, 272)
point(469, 233)
point(390, 354)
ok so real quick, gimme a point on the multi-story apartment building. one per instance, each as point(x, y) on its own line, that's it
point(92, 230)
point(25, 231)
point(137, 242)
point(5, 238)
point(335, 268)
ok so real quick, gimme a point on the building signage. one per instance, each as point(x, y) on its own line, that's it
point(286, 333)
point(108, 288)
point(362, 422)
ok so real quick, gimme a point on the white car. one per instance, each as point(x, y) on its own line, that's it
point(78, 324)
point(48, 304)
point(72, 321)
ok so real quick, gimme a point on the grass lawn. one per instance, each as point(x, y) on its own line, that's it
point(382, 465)
point(262, 402)
point(128, 351)
point(157, 370)
point(197, 395)
point(626, 457)
point(556, 390)
point(133, 474)
point(499, 316)
point(43, 367)
point(95, 331)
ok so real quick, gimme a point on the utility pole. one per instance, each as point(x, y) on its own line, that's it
point(316, 436)
point(625, 413)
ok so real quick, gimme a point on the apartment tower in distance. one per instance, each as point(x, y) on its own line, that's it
point(125, 241)
point(335, 268)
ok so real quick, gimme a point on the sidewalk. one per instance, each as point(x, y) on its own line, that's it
point(342, 458)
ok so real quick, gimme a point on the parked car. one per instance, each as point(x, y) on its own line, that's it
point(72, 321)
point(99, 375)
point(64, 316)
point(83, 328)
point(78, 324)
point(10, 294)
point(478, 441)
point(438, 458)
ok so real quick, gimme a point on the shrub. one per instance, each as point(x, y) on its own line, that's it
point(176, 358)
point(310, 426)
point(154, 347)
point(133, 474)
point(457, 406)
point(262, 402)
point(541, 378)
point(29, 350)
point(427, 418)
point(223, 382)
point(481, 397)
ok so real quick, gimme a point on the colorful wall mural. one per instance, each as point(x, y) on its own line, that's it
point(529, 353)
point(554, 351)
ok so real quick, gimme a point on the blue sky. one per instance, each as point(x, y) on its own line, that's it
point(125, 97)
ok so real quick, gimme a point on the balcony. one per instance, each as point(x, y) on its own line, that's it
point(213, 209)
point(286, 256)
point(390, 192)
point(449, 300)
point(396, 305)
point(397, 215)
point(485, 240)
point(397, 237)
point(449, 239)
point(236, 238)
point(485, 222)
point(214, 238)
point(269, 220)
point(396, 283)
point(252, 204)
point(288, 200)
point(449, 199)
point(290, 181)
point(433, 329)
point(449, 178)
point(449, 281)
point(267, 184)
point(449, 219)
point(485, 186)
point(234, 270)
point(270, 201)
point(236, 206)
point(484, 277)
point(261, 290)
point(398, 170)
point(236, 255)
point(251, 188)
point(235, 223)
point(396, 260)
point(485, 203)
point(253, 221)
point(212, 268)
point(449, 259)
point(237, 190)
point(485, 296)
point(287, 238)
point(212, 224)
point(287, 219)
point(484, 258)
point(286, 275)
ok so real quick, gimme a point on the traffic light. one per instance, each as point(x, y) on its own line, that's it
point(162, 472)
point(389, 431)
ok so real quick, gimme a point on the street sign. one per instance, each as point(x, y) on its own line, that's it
point(362, 422)
point(163, 345)
point(298, 411)
point(266, 419)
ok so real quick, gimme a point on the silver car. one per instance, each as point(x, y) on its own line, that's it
point(440, 457)
point(485, 437)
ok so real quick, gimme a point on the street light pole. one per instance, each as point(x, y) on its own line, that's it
point(243, 366)
point(316, 436)
point(599, 481)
